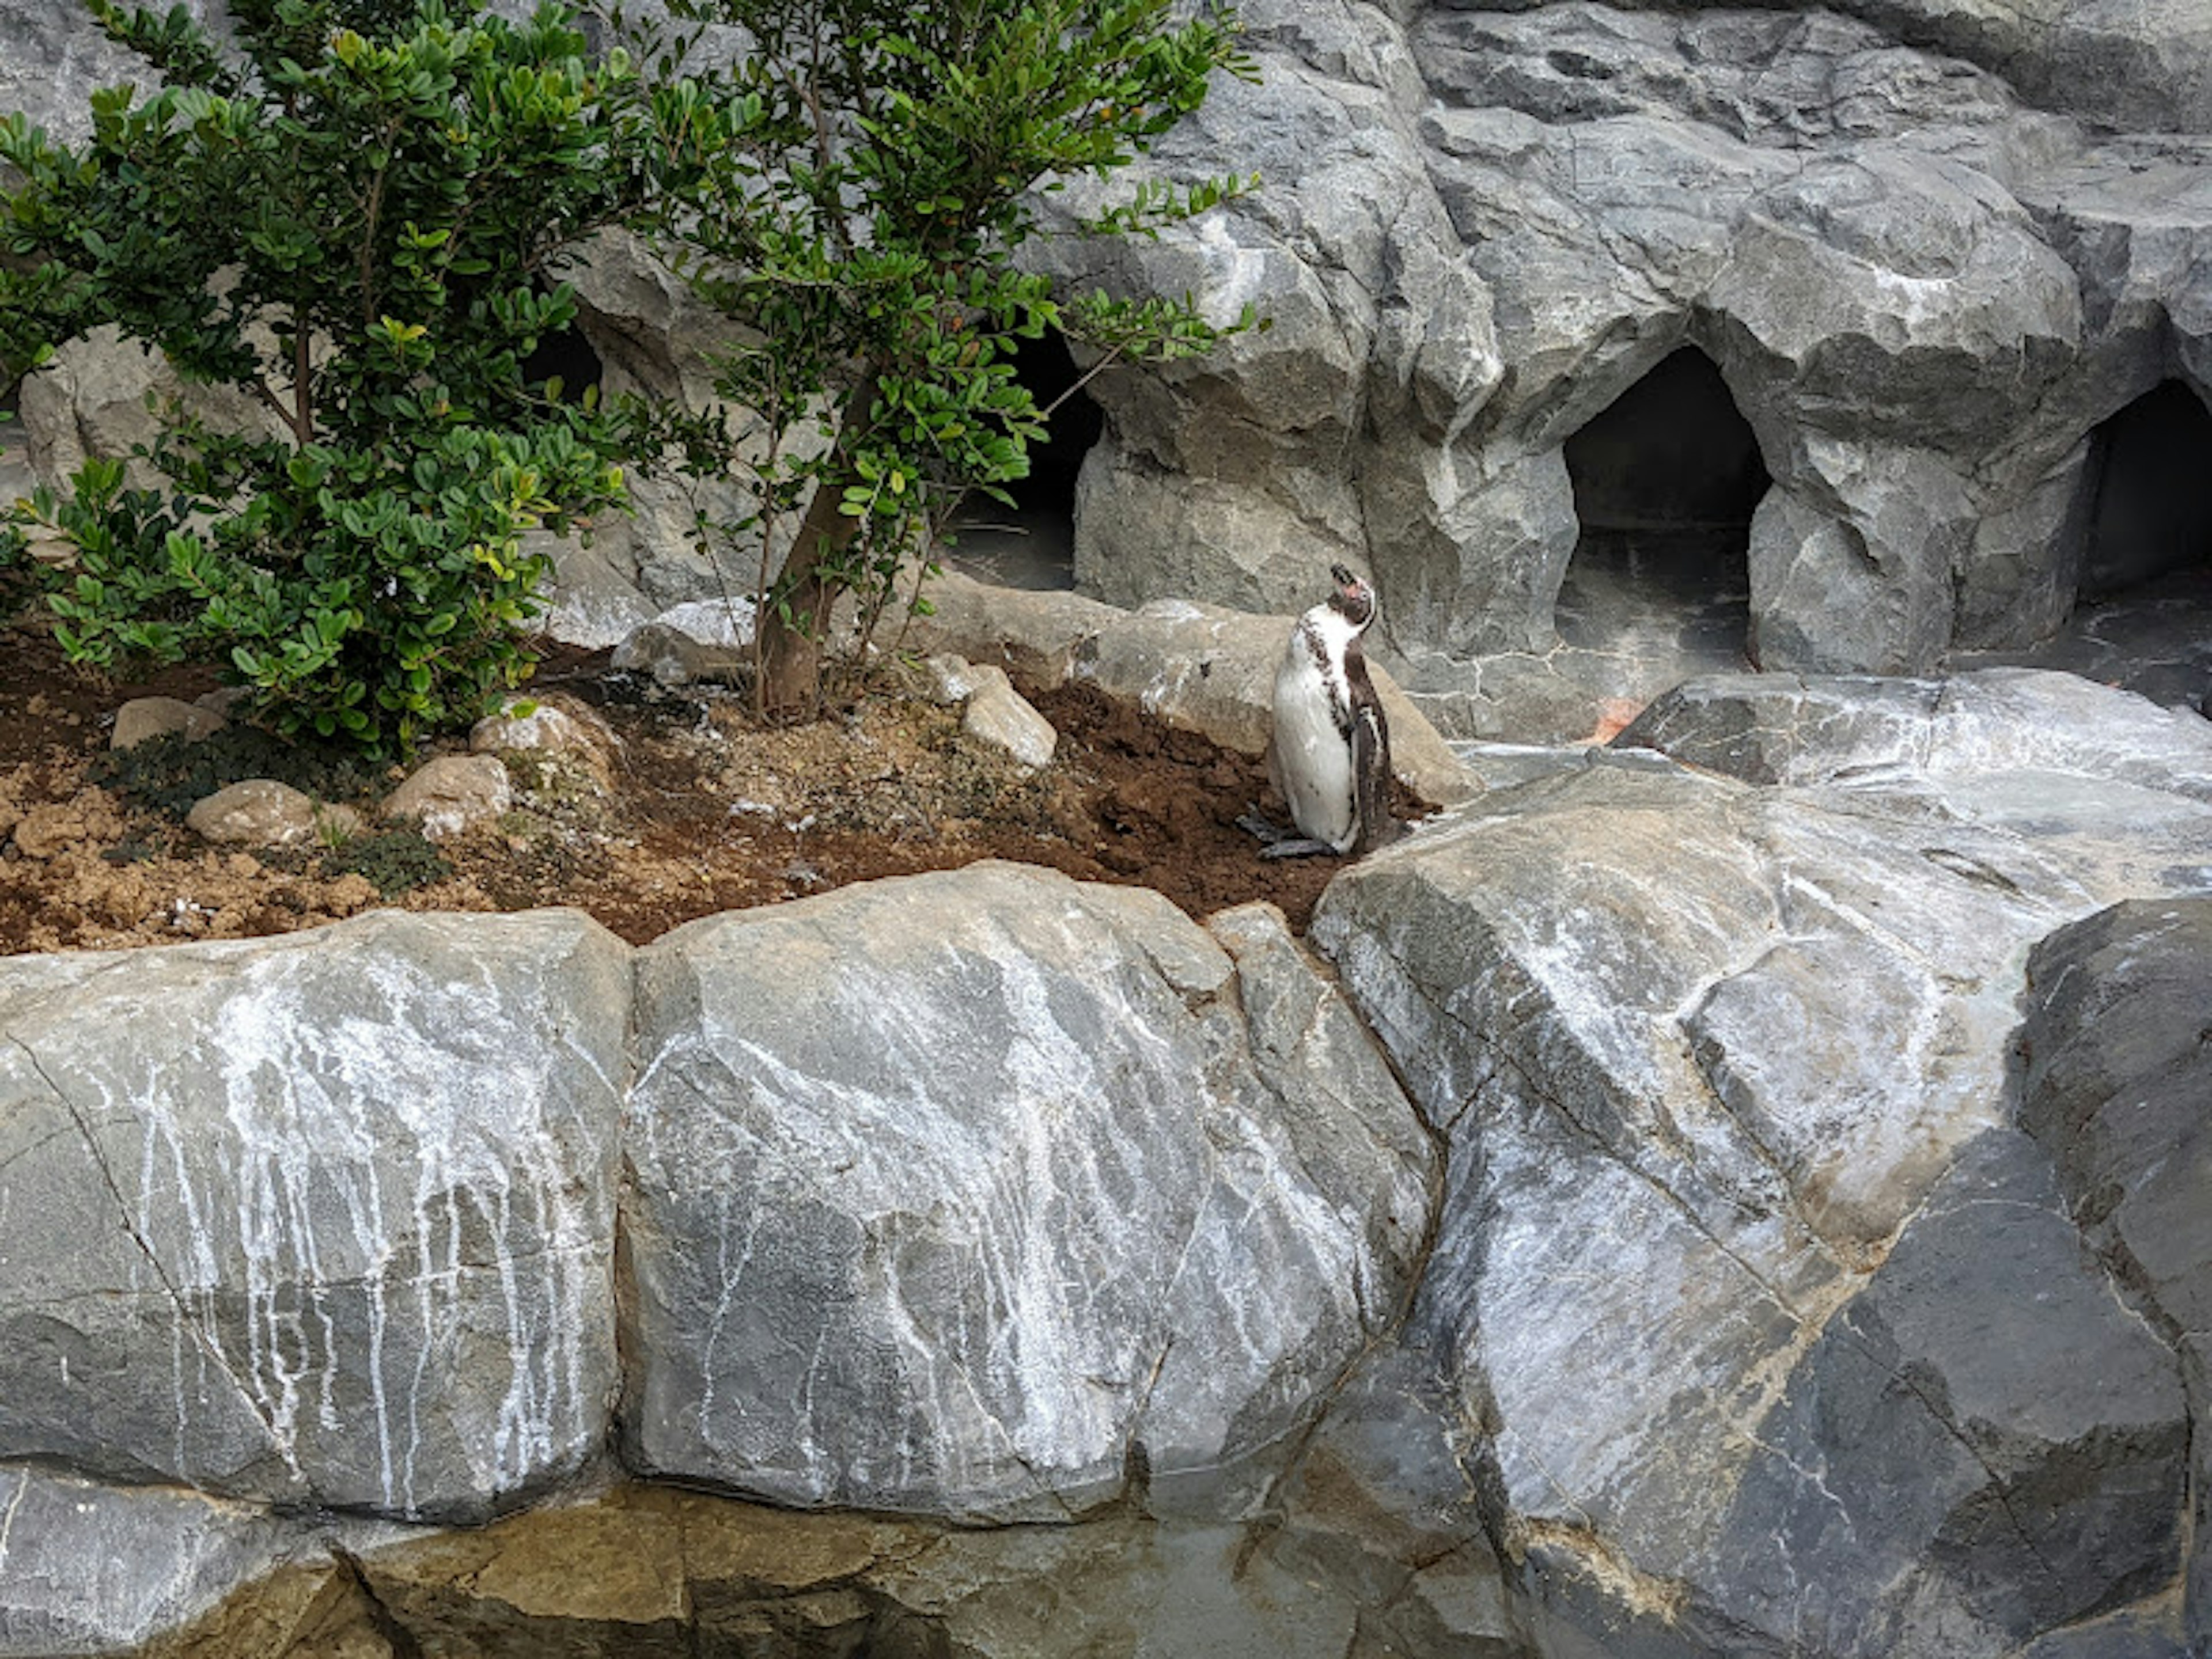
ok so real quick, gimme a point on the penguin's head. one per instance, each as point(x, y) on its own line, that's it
point(1353, 600)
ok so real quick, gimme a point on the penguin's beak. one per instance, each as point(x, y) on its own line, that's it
point(1343, 577)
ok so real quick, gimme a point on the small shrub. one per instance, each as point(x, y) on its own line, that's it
point(350, 224)
point(394, 861)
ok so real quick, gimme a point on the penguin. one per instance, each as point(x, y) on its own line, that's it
point(1330, 754)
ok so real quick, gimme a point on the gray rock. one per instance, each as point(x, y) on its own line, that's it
point(2119, 1087)
point(452, 795)
point(1664, 1018)
point(1201, 668)
point(995, 1195)
point(58, 57)
point(255, 813)
point(92, 1569)
point(1922, 294)
point(1779, 728)
point(689, 645)
point(333, 1226)
point(1000, 716)
point(555, 727)
point(152, 717)
point(1983, 1445)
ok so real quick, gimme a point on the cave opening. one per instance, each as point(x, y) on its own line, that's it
point(2149, 515)
point(565, 355)
point(1032, 543)
point(1666, 480)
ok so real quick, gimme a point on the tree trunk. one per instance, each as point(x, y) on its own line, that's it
point(790, 684)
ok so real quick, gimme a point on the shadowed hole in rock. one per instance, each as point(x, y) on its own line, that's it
point(565, 356)
point(1666, 480)
point(2148, 513)
point(1032, 543)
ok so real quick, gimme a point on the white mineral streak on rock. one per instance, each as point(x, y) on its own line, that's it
point(373, 1185)
point(987, 1192)
point(1706, 1050)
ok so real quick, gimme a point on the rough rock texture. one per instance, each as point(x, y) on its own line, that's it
point(998, 714)
point(332, 1226)
point(1931, 248)
point(254, 812)
point(1923, 286)
point(1769, 1273)
point(1782, 1335)
point(999, 1195)
point(1197, 667)
point(153, 717)
point(2118, 1088)
point(88, 1569)
point(452, 794)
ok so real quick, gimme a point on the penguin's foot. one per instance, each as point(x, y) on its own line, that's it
point(1297, 847)
point(1261, 829)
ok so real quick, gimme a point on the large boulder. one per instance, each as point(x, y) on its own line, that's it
point(91, 1569)
point(996, 1195)
point(1200, 668)
point(332, 1223)
point(2119, 1087)
point(1780, 1334)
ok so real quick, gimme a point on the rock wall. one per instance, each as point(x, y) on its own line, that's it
point(1930, 250)
point(1737, 1193)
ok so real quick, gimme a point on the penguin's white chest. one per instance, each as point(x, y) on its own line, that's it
point(1312, 753)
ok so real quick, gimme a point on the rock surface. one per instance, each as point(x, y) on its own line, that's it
point(452, 795)
point(332, 1226)
point(994, 1194)
point(1734, 1211)
point(153, 717)
point(254, 812)
point(1746, 1265)
point(1200, 668)
point(1925, 267)
point(2119, 1089)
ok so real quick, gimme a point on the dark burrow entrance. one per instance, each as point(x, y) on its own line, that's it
point(565, 356)
point(1666, 481)
point(2149, 493)
point(1032, 543)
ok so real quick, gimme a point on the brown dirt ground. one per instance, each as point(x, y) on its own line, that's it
point(701, 811)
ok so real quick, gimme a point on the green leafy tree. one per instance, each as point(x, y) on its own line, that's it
point(853, 190)
point(350, 219)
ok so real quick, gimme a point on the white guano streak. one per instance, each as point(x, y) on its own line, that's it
point(311, 1098)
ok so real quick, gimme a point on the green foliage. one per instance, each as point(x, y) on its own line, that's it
point(854, 191)
point(351, 224)
point(395, 862)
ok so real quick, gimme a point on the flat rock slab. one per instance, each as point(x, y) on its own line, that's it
point(326, 1219)
point(994, 1194)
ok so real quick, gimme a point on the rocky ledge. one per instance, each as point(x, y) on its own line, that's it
point(1736, 1192)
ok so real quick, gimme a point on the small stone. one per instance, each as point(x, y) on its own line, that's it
point(452, 794)
point(999, 714)
point(257, 812)
point(142, 718)
point(953, 678)
point(547, 727)
point(674, 658)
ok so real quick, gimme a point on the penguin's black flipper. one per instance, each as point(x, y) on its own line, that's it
point(1371, 775)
